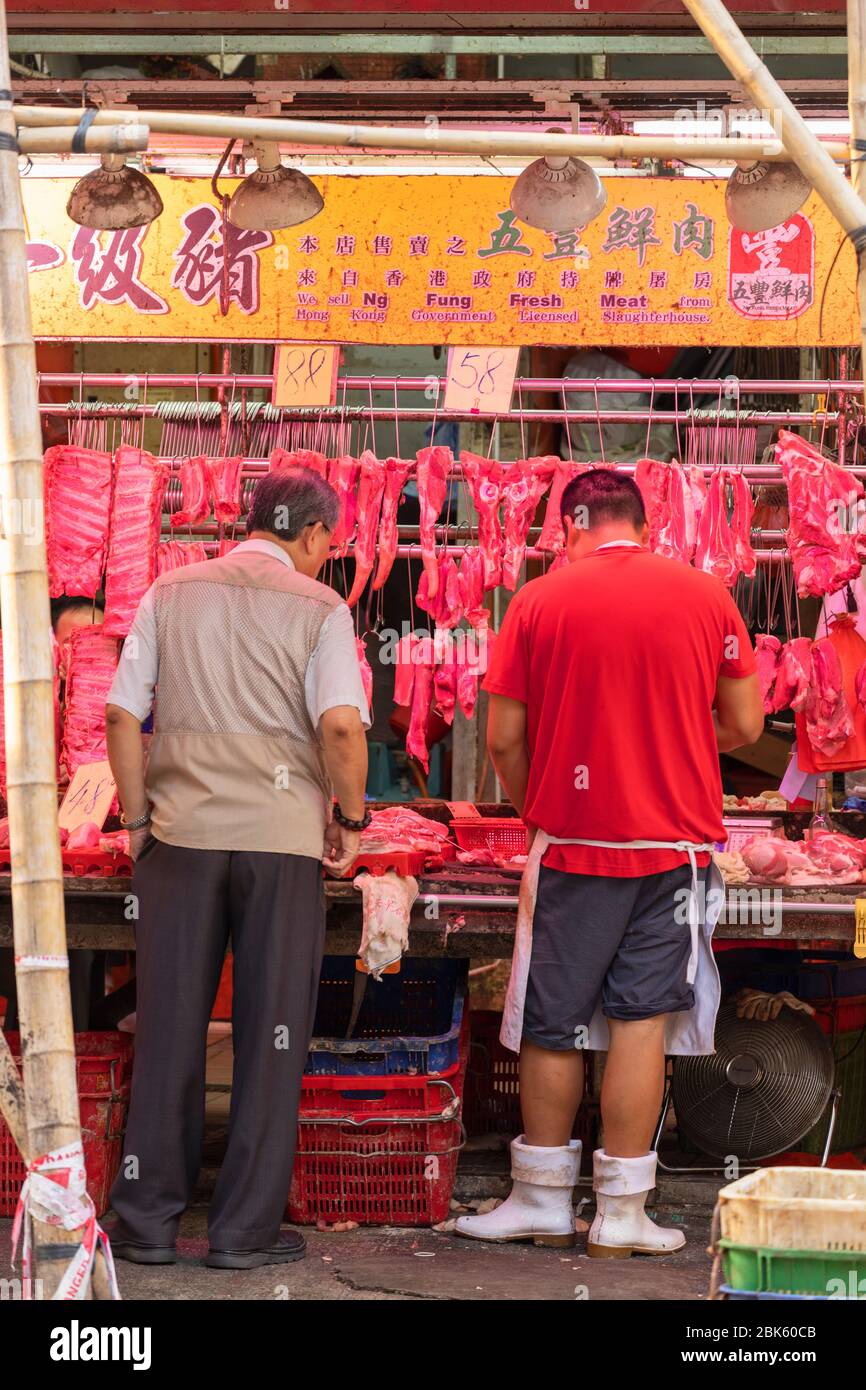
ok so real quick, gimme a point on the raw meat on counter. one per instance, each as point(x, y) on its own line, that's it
point(84, 836)
point(387, 900)
point(172, 555)
point(139, 485)
point(767, 801)
point(91, 664)
point(77, 511)
point(399, 827)
point(828, 718)
point(825, 859)
point(824, 553)
point(396, 475)
point(369, 505)
point(768, 650)
point(432, 472)
point(195, 494)
point(524, 486)
point(485, 479)
point(224, 477)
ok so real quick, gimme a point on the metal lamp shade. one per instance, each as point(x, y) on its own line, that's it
point(762, 195)
point(558, 195)
point(269, 199)
point(113, 197)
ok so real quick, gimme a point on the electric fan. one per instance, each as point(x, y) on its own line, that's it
point(765, 1086)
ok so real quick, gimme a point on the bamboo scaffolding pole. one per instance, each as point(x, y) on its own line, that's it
point(430, 139)
point(109, 139)
point(857, 95)
point(50, 1091)
point(842, 198)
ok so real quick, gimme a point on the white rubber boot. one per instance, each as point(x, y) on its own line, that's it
point(538, 1207)
point(621, 1226)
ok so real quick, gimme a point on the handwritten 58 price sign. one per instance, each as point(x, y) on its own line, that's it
point(480, 379)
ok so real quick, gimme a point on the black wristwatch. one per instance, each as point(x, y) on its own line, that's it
point(351, 824)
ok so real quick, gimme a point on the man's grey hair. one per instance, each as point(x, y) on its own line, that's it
point(290, 499)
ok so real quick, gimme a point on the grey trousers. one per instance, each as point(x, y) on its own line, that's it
point(190, 902)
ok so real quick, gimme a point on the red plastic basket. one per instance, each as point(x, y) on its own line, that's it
point(504, 835)
point(492, 1091)
point(96, 863)
point(403, 861)
point(849, 1012)
point(103, 1068)
point(381, 1151)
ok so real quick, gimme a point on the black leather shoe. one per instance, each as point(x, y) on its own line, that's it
point(125, 1247)
point(289, 1246)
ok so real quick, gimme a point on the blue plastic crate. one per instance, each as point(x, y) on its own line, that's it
point(409, 1023)
point(752, 1295)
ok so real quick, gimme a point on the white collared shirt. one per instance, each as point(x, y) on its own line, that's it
point(610, 545)
point(332, 678)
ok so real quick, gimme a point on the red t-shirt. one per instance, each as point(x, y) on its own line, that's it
point(616, 658)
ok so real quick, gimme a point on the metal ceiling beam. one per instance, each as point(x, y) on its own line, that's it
point(488, 45)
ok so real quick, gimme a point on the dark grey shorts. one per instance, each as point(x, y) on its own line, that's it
point(625, 941)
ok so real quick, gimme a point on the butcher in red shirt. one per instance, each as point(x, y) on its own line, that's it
point(615, 683)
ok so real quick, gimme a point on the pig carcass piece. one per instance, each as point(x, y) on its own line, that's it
point(472, 668)
point(715, 550)
point(366, 672)
point(676, 533)
point(136, 508)
point(562, 472)
point(194, 493)
point(396, 475)
point(470, 583)
point(446, 608)
point(653, 479)
point(524, 486)
point(91, 664)
point(432, 471)
point(77, 511)
point(860, 686)
point(343, 476)
point(741, 525)
point(485, 478)
point(172, 555)
point(768, 650)
point(423, 661)
point(793, 675)
point(821, 536)
point(387, 906)
point(826, 858)
point(298, 458)
point(399, 827)
point(829, 724)
point(369, 504)
point(224, 477)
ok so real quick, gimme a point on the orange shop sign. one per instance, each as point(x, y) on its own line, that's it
point(441, 259)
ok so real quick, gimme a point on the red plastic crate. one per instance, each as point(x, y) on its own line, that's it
point(492, 1091)
point(96, 863)
point(849, 1012)
point(381, 1151)
point(103, 1068)
point(408, 862)
point(503, 835)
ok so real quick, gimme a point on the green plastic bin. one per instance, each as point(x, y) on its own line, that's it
point(834, 1274)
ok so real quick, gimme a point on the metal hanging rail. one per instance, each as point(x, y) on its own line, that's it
point(726, 387)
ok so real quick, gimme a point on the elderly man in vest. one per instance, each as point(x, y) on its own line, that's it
point(260, 717)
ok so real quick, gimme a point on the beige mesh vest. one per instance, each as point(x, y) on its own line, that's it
point(235, 763)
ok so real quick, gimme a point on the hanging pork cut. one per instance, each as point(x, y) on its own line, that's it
point(343, 477)
point(860, 686)
point(485, 477)
point(741, 525)
point(298, 458)
point(195, 492)
point(524, 486)
point(136, 509)
point(559, 473)
point(793, 675)
point(423, 657)
point(445, 684)
point(224, 476)
point(676, 532)
point(828, 719)
point(653, 480)
point(471, 587)
point(768, 650)
point(172, 555)
point(821, 536)
point(432, 472)
point(396, 475)
point(444, 607)
point(90, 668)
point(77, 511)
point(715, 551)
point(369, 505)
point(366, 672)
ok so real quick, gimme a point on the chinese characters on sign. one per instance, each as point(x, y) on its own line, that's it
point(444, 260)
